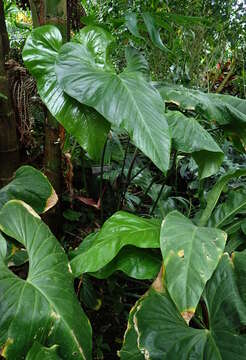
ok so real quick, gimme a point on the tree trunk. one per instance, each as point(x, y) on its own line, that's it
point(9, 152)
point(52, 12)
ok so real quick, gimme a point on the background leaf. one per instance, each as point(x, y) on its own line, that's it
point(222, 110)
point(153, 31)
point(131, 23)
point(235, 202)
point(215, 192)
point(190, 137)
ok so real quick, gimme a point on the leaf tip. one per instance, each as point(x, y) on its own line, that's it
point(187, 315)
point(158, 284)
point(51, 201)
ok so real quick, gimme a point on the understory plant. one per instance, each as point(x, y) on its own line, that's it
point(195, 308)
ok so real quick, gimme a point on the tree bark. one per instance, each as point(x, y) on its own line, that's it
point(9, 152)
point(52, 12)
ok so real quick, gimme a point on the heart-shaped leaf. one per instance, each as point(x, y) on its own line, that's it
point(190, 255)
point(120, 230)
point(190, 137)
point(44, 307)
point(86, 125)
point(127, 100)
point(161, 333)
point(31, 186)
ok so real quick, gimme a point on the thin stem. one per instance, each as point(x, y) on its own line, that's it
point(124, 160)
point(128, 178)
point(146, 193)
point(142, 169)
point(101, 178)
point(157, 199)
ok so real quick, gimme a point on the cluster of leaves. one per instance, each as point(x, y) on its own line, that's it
point(197, 34)
point(196, 306)
point(19, 25)
point(43, 308)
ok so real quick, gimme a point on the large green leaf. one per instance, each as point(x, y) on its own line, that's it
point(127, 100)
point(162, 333)
point(39, 352)
point(190, 137)
point(190, 255)
point(235, 202)
point(135, 262)
point(120, 230)
point(214, 194)
point(44, 307)
point(224, 110)
point(40, 54)
point(153, 31)
point(31, 186)
point(98, 42)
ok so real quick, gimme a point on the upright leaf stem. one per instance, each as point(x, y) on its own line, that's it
point(101, 178)
point(128, 178)
point(158, 198)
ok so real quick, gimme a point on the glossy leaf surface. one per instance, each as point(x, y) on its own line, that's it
point(190, 137)
point(135, 262)
point(163, 334)
point(126, 100)
point(120, 230)
point(190, 255)
point(31, 186)
point(86, 125)
point(43, 307)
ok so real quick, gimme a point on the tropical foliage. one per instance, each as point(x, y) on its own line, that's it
point(173, 157)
